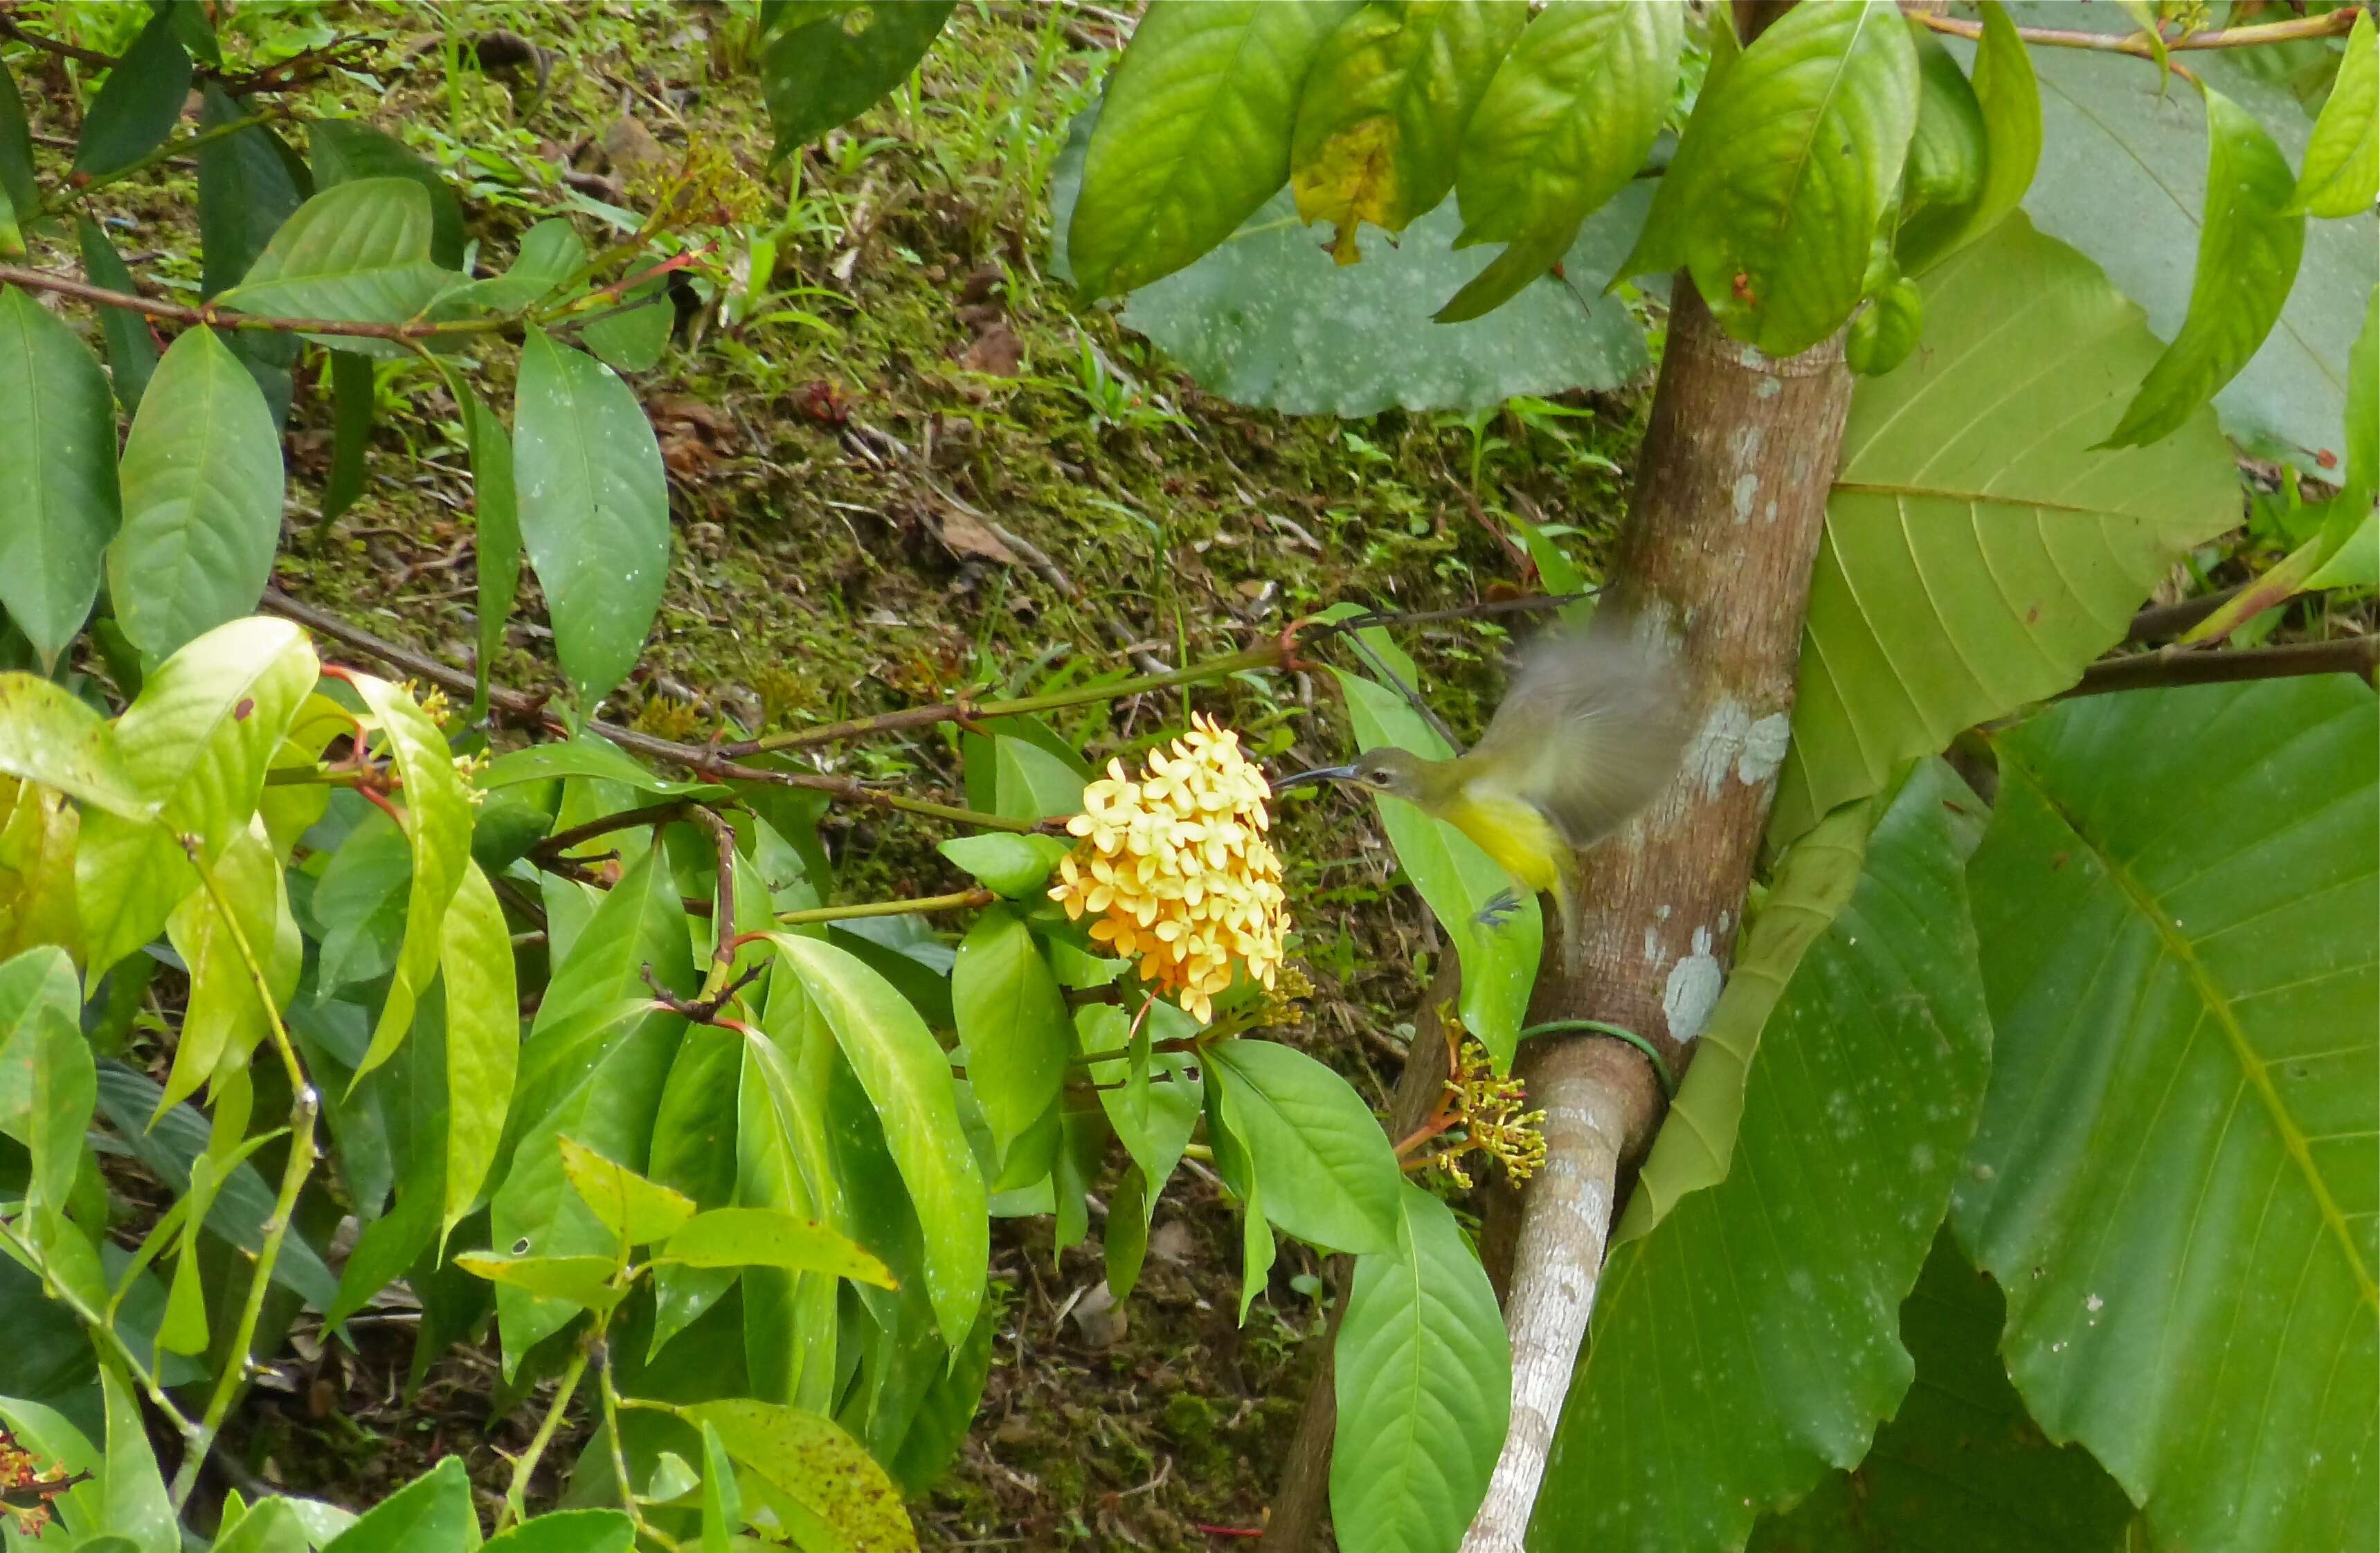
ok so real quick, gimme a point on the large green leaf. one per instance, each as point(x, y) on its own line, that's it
point(1323, 1168)
point(137, 1508)
point(1267, 320)
point(203, 485)
point(1381, 115)
point(2341, 174)
point(812, 1464)
point(1012, 1019)
point(225, 1017)
point(2177, 1172)
point(594, 510)
point(2123, 178)
point(483, 1038)
point(19, 190)
point(358, 252)
point(138, 104)
point(1424, 1377)
point(195, 745)
point(1455, 878)
point(1564, 127)
point(1194, 133)
point(1786, 170)
point(908, 1081)
point(247, 186)
point(2248, 253)
point(428, 1515)
point(1978, 552)
point(346, 150)
point(1960, 1460)
point(828, 61)
point(2007, 104)
point(57, 475)
point(51, 736)
point(1750, 1342)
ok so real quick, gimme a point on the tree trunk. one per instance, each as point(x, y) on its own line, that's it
point(1715, 555)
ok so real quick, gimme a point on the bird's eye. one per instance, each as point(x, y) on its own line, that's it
point(1376, 779)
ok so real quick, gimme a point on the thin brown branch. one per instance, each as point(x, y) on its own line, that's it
point(2178, 665)
point(722, 911)
point(219, 318)
point(555, 846)
point(11, 28)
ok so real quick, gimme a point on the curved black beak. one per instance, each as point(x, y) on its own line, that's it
point(1319, 773)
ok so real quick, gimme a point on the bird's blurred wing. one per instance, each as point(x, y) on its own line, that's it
point(1593, 726)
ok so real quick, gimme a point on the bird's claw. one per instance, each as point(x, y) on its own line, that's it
point(1499, 910)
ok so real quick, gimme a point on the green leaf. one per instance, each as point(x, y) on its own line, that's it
point(2355, 560)
point(908, 1080)
point(1885, 329)
point(568, 1531)
point(46, 1087)
point(138, 104)
point(832, 62)
point(1158, 1107)
point(1029, 782)
point(637, 1210)
point(1808, 891)
point(246, 189)
point(1948, 151)
point(592, 757)
point(1748, 1343)
point(438, 824)
point(226, 1018)
point(1785, 172)
point(131, 349)
point(1455, 878)
point(347, 150)
point(584, 1281)
point(632, 341)
point(809, 1461)
point(358, 905)
point(947, 1410)
point(786, 1158)
point(2123, 178)
point(1564, 127)
point(1194, 133)
point(50, 735)
point(1012, 1019)
point(594, 511)
point(1017, 866)
point(722, 1502)
point(1424, 1376)
point(194, 744)
point(351, 414)
point(2341, 172)
point(136, 1506)
point(1321, 1162)
point(762, 1237)
point(2009, 100)
point(203, 489)
point(271, 1526)
point(549, 254)
point(17, 188)
point(431, 1514)
point(1224, 1131)
point(1978, 553)
point(57, 475)
point(1960, 1446)
point(2248, 254)
point(483, 1031)
point(1381, 115)
point(2180, 934)
point(496, 507)
point(358, 252)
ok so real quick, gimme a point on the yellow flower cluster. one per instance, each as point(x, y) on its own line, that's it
point(1176, 869)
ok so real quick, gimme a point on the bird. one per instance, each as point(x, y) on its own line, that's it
point(1593, 725)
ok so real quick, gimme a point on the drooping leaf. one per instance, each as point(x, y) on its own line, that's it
point(2008, 100)
point(1424, 1386)
point(1455, 878)
point(131, 349)
point(1978, 553)
point(136, 1506)
point(201, 484)
point(18, 187)
point(45, 1072)
point(1028, 783)
point(226, 1017)
point(2341, 172)
point(346, 150)
point(1194, 136)
point(358, 905)
point(760, 1237)
point(549, 254)
point(2248, 254)
point(358, 252)
point(1960, 1453)
point(1225, 1133)
point(1785, 172)
point(594, 511)
point(195, 745)
point(438, 826)
point(1012, 1019)
point(1382, 114)
point(1156, 1105)
point(497, 548)
point(271, 1526)
point(483, 1033)
point(908, 1081)
point(827, 62)
point(810, 1463)
point(1750, 1343)
point(351, 418)
point(1947, 153)
point(1320, 1160)
point(1564, 125)
point(2179, 931)
point(245, 191)
point(57, 475)
point(137, 104)
point(1267, 319)
point(431, 1513)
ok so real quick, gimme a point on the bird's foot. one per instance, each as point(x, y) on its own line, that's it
point(1500, 909)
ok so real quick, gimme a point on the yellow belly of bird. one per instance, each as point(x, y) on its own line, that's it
point(1516, 835)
